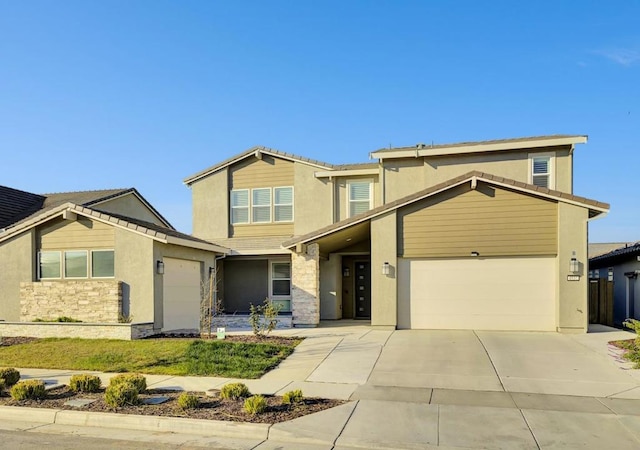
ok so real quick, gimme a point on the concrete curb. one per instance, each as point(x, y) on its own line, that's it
point(136, 422)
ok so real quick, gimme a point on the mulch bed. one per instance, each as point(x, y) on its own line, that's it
point(7, 341)
point(211, 408)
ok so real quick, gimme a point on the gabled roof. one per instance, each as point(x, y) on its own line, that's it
point(84, 198)
point(595, 207)
point(422, 150)
point(258, 150)
point(165, 235)
point(616, 255)
point(15, 205)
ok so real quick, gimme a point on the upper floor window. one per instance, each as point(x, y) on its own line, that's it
point(261, 205)
point(359, 196)
point(541, 171)
point(261, 201)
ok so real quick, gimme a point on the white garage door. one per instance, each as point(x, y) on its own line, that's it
point(476, 293)
point(181, 295)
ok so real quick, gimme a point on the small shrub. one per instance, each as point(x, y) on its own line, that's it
point(121, 394)
point(138, 381)
point(292, 397)
point(188, 401)
point(10, 376)
point(255, 405)
point(28, 390)
point(59, 319)
point(264, 318)
point(85, 383)
point(234, 391)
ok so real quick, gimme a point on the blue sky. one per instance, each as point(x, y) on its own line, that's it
point(118, 93)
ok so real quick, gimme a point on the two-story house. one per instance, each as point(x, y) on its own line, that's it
point(482, 235)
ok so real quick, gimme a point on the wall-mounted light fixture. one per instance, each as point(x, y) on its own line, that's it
point(610, 274)
point(474, 253)
point(385, 268)
point(574, 265)
point(212, 270)
point(159, 267)
point(345, 271)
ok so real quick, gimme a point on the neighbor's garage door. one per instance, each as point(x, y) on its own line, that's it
point(476, 293)
point(181, 294)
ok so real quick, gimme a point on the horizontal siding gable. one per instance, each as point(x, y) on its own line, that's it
point(490, 220)
point(78, 234)
point(266, 172)
point(253, 173)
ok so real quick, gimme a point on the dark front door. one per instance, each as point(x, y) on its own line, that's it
point(362, 292)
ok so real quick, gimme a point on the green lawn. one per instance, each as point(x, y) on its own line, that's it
point(150, 356)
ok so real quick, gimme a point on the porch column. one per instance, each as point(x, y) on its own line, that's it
point(305, 286)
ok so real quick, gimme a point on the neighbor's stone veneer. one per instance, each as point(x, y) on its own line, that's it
point(88, 301)
point(124, 331)
point(305, 286)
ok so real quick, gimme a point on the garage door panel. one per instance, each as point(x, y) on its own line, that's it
point(478, 293)
point(181, 294)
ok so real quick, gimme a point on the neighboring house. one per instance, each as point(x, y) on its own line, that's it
point(100, 257)
point(622, 266)
point(482, 235)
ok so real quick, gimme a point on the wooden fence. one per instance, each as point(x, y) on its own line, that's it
point(601, 301)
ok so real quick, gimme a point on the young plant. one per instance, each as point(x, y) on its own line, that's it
point(292, 397)
point(188, 401)
point(255, 405)
point(28, 390)
point(85, 383)
point(264, 318)
point(135, 379)
point(121, 394)
point(234, 391)
point(10, 375)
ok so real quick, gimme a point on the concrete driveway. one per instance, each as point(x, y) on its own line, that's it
point(529, 362)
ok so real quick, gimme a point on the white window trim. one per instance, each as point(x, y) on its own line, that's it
point(231, 207)
point(359, 180)
point(262, 206)
point(59, 261)
point(273, 204)
point(552, 167)
point(91, 263)
point(279, 297)
point(64, 265)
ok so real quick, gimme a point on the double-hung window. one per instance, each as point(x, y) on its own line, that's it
point(240, 206)
point(102, 264)
point(261, 205)
point(75, 264)
point(283, 204)
point(49, 265)
point(541, 171)
point(359, 196)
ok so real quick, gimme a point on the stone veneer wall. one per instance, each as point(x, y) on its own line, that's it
point(123, 331)
point(96, 301)
point(305, 286)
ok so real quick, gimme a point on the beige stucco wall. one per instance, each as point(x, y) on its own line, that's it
point(573, 313)
point(403, 177)
point(312, 200)
point(135, 267)
point(210, 206)
point(161, 251)
point(129, 205)
point(18, 265)
point(384, 287)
